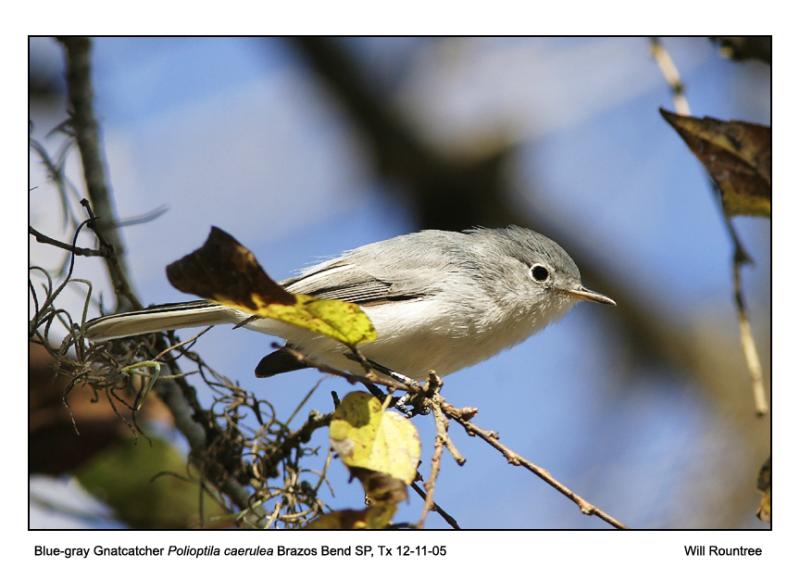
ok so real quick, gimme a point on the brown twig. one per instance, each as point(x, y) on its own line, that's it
point(436, 464)
point(671, 76)
point(740, 255)
point(432, 391)
point(434, 400)
point(464, 415)
point(87, 134)
point(748, 343)
point(451, 521)
point(369, 381)
point(431, 183)
point(77, 250)
point(492, 438)
point(435, 385)
point(191, 419)
point(293, 440)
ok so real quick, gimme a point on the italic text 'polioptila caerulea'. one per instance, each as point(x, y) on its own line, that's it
point(439, 301)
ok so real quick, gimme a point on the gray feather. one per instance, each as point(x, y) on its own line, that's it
point(437, 299)
point(165, 317)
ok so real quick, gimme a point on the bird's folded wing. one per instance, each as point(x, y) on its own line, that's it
point(346, 282)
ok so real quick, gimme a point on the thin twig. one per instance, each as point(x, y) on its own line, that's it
point(368, 381)
point(492, 438)
point(748, 344)
point(190, 417)
point(295, 439)
point(87, 134)
point(143, 218)
point(740, 255)
point(433, 390)
point(671, 76)
point(436, 464)
point(463, 417)
point(451, 521)
point(77, 250)
point(182, 344)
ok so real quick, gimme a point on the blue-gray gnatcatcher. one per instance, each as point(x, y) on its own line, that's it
point(438, 300)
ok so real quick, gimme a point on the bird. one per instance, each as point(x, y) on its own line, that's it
point(439, 301)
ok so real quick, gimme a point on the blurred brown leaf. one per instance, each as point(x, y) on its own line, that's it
point(740, 48)
point(370, 518)
point(111, 462)
point(765, 486)
point(737, 155)
point(55, 447)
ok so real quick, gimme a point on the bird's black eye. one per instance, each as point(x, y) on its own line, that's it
point(540, 273)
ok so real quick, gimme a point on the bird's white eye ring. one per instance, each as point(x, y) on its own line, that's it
point(540, 273)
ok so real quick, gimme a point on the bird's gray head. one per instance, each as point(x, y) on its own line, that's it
point(532, 277)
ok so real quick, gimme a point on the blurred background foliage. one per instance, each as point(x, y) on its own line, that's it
point(305, 147)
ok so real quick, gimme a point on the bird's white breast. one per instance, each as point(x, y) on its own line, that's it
point(416, 337)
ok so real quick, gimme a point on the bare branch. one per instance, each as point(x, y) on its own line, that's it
point(492, 438)
point(431, 182)
point(740, 255)
point(748, 343)
point(78, 251)
point(191, 418)
point(87, 134)
point(436, 464)
point(430, 398)
point(451, 521)
point(671, 76)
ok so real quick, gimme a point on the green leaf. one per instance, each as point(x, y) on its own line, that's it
point(126, 477)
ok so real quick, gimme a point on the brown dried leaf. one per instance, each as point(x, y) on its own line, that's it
point(224, 271)
point(54, 446)
point(383, 494)
point(372, 518)
point(741, 48)
point(765, 486)
point(737, 155)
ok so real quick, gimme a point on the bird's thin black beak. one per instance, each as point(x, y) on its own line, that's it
point(589, 295)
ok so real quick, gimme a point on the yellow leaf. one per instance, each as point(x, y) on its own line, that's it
point(381, 449)
point(343, 321)
point(367, 437)
point(224, 271)
point(340, 520)
point(372, 518)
